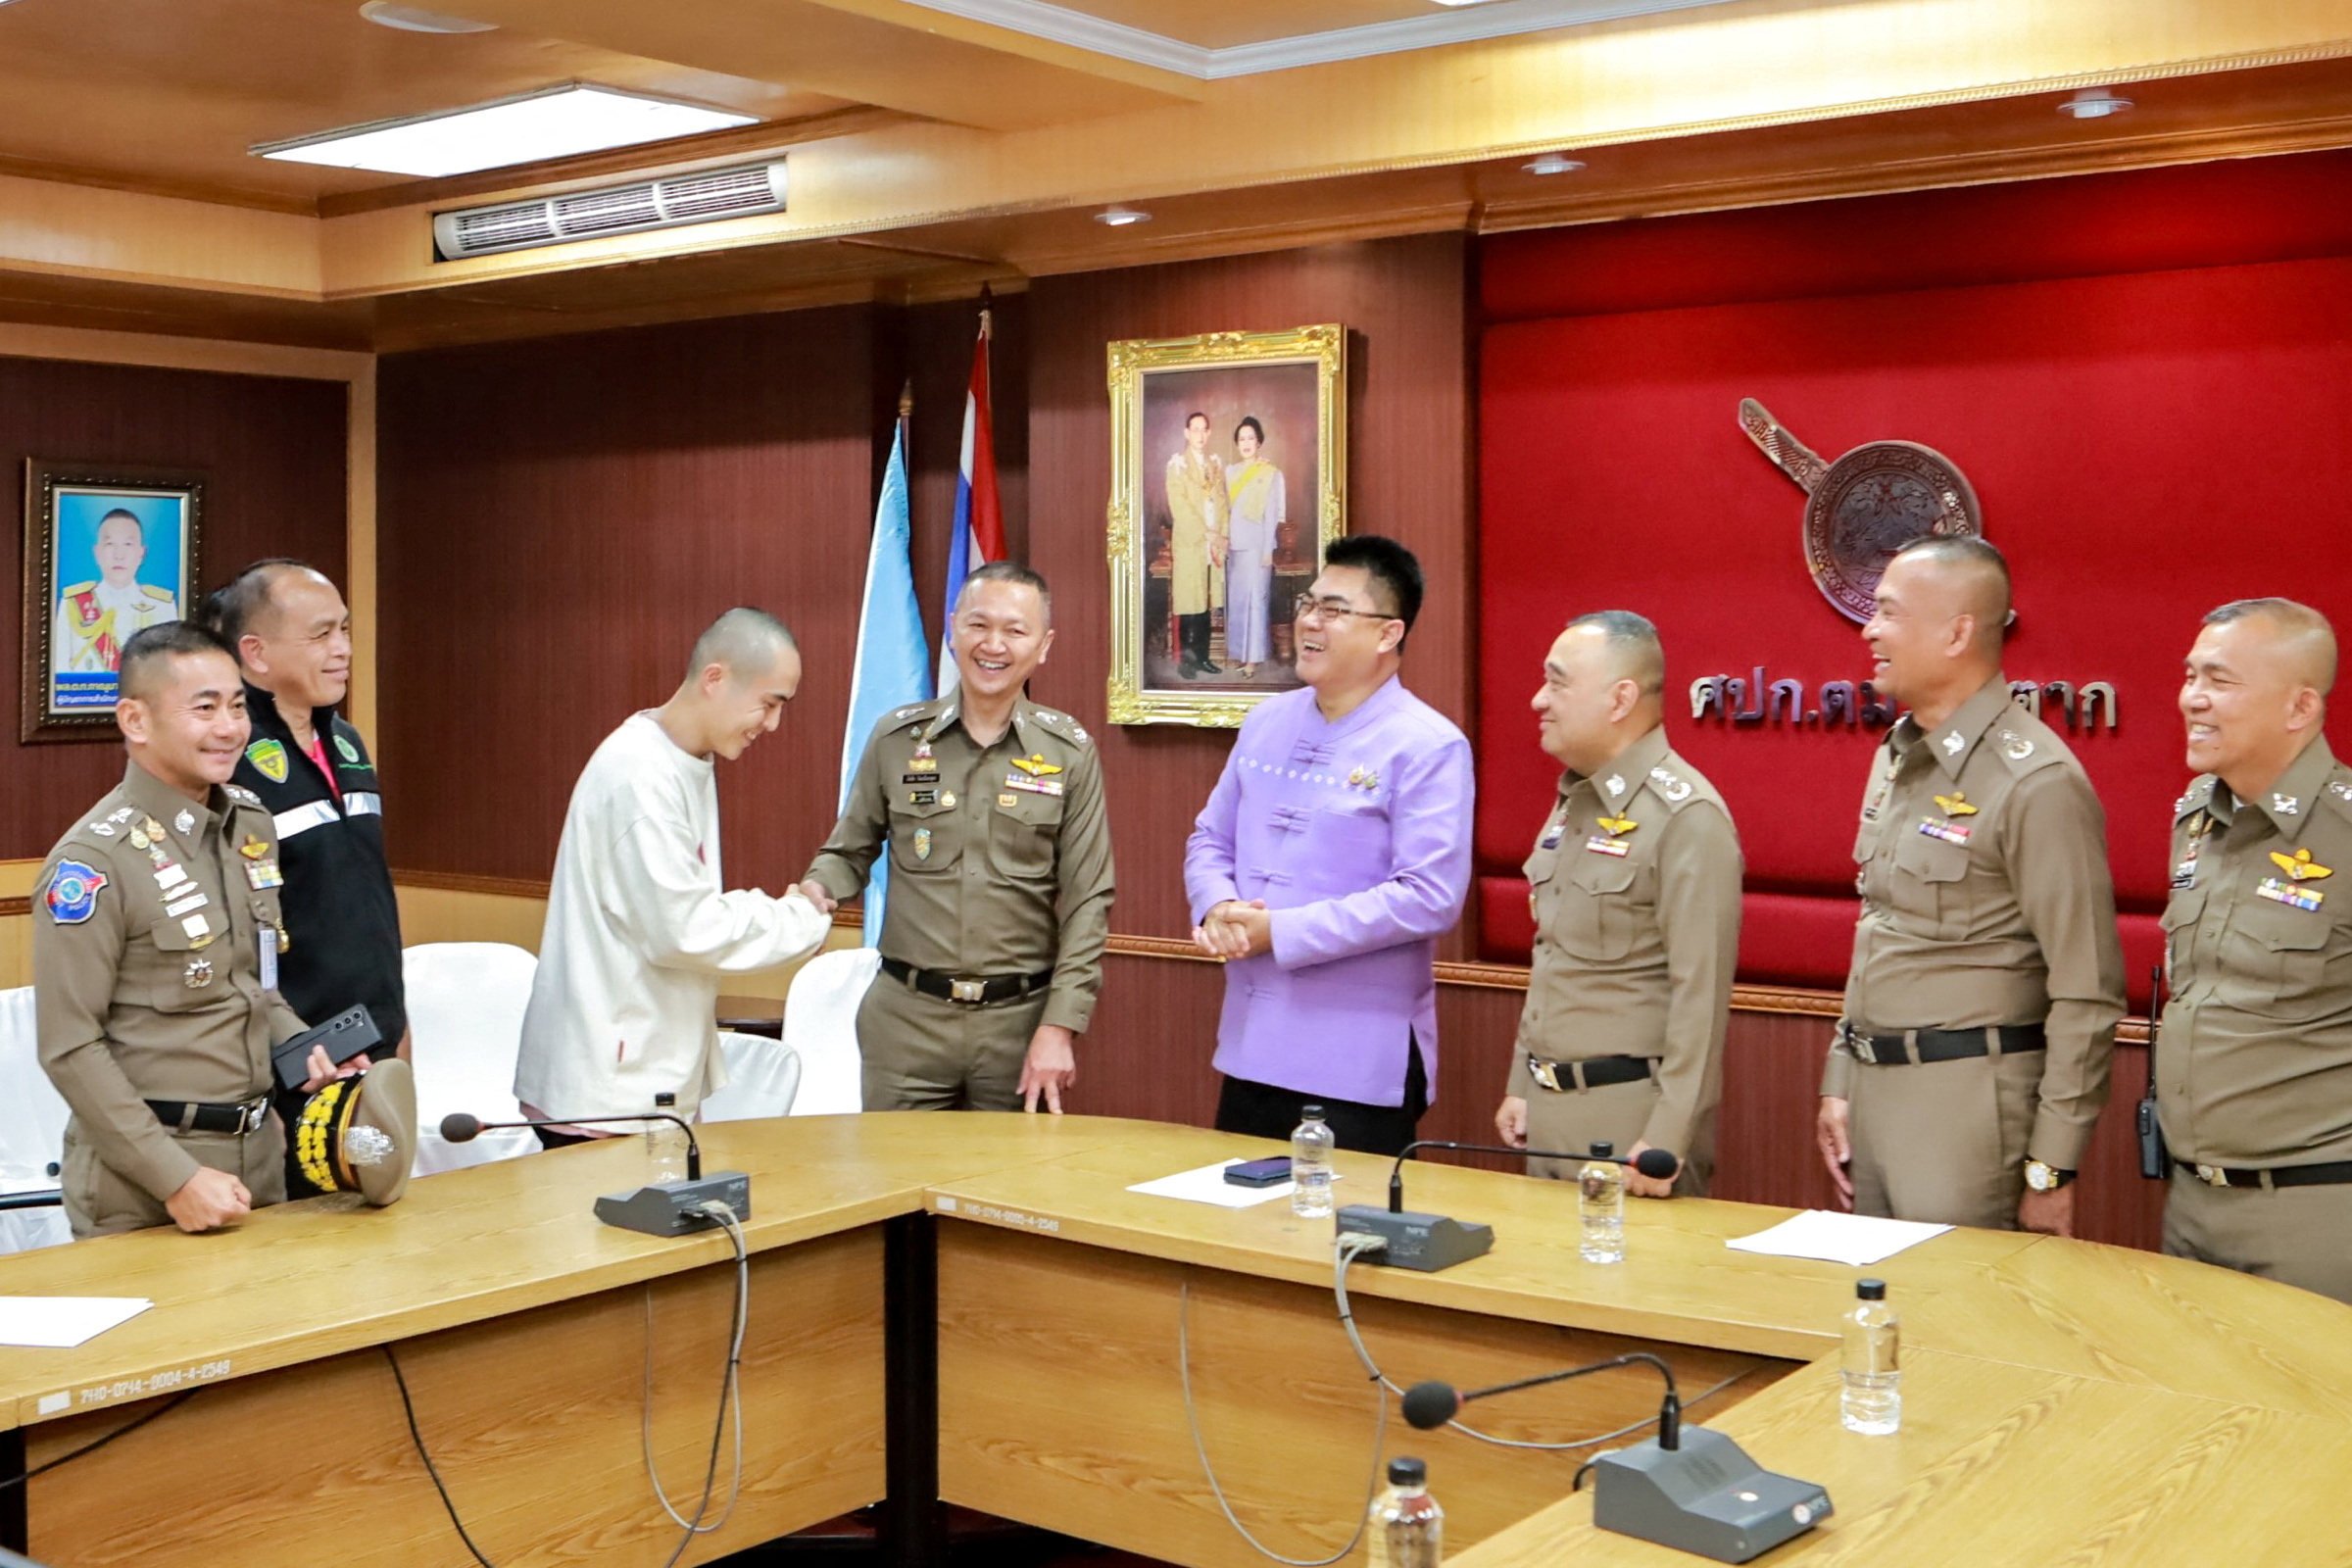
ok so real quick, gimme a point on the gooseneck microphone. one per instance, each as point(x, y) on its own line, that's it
point(1658, 1164)
point(1429, 1405)
point(460, 1127)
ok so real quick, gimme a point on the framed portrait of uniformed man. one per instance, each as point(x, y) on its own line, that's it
point(108, 551)
point(1229, 463)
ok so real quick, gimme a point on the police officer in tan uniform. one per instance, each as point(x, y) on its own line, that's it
point(154, 957)
point(1000, 873)
point(2254, 1061)
point(1971, 1061)
point(1634, 881)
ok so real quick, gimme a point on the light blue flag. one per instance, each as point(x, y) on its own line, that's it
point(894, 656)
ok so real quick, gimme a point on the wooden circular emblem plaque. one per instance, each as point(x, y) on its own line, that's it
point(1860, 510)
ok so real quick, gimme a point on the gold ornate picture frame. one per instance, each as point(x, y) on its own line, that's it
point(1229, 476)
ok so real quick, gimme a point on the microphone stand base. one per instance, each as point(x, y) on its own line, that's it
point(1425, 1242)
point(1707, 1497)
point(675, 1208)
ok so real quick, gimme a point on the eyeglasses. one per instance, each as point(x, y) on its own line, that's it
point(1307, 607)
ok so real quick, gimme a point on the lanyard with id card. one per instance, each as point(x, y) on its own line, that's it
point(269, 947)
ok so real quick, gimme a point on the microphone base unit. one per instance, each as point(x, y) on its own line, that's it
point(674, 1209)
point(1425, 1242)
point(1707, 1498)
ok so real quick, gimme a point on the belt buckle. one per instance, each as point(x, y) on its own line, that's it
point(255, 1114)
point(1545, 1073)
point(1864, 1047)
point(2213, 1176)
point(971, 992)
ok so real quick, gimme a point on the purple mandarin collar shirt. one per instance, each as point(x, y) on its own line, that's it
point(1356, 834)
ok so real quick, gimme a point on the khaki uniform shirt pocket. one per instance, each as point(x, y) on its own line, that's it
point(924, 840)
point(2285, 949)
point(1022, 837)
point(1594, 917)
point(1926, 883)
point(2182, 913)
point(1541, 872)
point(179, 977)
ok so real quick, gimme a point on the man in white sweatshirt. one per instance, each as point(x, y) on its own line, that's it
point(640, 925)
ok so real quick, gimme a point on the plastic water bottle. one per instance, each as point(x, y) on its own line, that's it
point(1871, 1399)
point(1311, 1143)
point(1408, 1527)
point(666, 1142)
point(1601, 1201)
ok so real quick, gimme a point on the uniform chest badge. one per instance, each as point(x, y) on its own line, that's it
point(198, 974)
point(922, 762)
point(1035, 786)
point(1036, 765)
point(74, 891)
point(1955, 805)
point(1615, 784)
point(262, 875)
point(1553, 832)
point(185, 821)
point(2300, 866)
point(1616, 826)
point(1948, 832)
point(1598, 844)
point(2286, 804)
point(1954, 745)
point(2294, 895)
point(269, 756)
point(922, 844)
point(254, 848)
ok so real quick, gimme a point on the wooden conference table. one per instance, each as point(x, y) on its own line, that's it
point(973, 1309)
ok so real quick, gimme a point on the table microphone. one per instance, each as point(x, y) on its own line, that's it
point(1658, 1164)
point(1707, 1497)
point(672, 1208)
point(460, 1127)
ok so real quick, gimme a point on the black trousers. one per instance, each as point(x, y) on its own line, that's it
point(1263, 1110)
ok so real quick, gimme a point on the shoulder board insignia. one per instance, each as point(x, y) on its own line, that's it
point(1673, 790)
point(162, 596)
point(242, 795)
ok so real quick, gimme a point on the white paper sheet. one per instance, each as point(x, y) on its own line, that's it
point(1207, 1185)
point(1856, 1238)
point(61, 1322)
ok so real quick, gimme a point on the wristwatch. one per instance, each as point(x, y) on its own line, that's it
point(2046, 1178)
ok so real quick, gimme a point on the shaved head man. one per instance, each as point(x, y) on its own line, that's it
point(1635, 886)
point(641, 926)
point(2254, 1068)
point(1972, 1060)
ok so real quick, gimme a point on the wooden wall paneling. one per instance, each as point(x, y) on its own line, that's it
point(274, 453)
point(560, 517)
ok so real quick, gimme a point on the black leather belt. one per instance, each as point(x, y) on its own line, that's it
point(196, 1116)
point(1595, 1072)
point(2326, 1175)
point(972, 990)
point(1944, 1045)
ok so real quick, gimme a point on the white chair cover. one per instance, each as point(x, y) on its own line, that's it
point(762, 1078)
point(820, 1028)
point(466, 1006)
point(33, 1129)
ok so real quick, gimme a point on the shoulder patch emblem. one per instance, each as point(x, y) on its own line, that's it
point(72, 896)
point(268, 755)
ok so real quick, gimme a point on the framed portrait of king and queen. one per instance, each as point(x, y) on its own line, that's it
point(108, 551)
point(1229, 463)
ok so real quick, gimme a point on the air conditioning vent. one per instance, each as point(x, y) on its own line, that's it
point(697, 198)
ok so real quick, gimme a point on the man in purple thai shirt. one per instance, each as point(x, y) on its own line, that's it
point(1333, 854)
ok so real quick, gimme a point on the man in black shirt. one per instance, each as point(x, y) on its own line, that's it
point(291, 633)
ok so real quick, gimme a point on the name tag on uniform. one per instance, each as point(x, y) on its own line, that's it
point(2293, 894)
point(1602, 844)
point(170, 875)
point(188, 906)
point(1553, 832)
point(2185, 875)
point(922, 796)
point(1035, 786)
point(1949, 832)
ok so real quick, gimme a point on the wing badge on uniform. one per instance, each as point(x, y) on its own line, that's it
point(1617, 826)
point(1955, 805)
point(2301, 867)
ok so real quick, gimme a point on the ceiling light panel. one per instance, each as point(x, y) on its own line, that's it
point(561, 122)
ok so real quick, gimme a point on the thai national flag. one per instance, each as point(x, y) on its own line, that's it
point(979, 536)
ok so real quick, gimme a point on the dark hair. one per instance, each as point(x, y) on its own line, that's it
point(1968, 549)
point(1250, 422)
point(230, 610)
point(1012, 571)
point(1395, 576)
point(745, 641)
point(128, 516)
point(2296, 620)
point(1195, 415)
point(159, 645)
point(1633, 638)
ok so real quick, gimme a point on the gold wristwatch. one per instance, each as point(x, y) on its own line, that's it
point(2043, 1178)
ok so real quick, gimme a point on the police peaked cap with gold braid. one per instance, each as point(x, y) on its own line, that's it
point(359, 1134)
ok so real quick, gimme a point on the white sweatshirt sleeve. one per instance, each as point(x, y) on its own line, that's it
point(661, 894)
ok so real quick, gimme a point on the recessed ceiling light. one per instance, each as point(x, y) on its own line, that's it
point(1121, 216)
point(412, 19)
point(1552, 164)
point(2094, 103)
point(556, 123)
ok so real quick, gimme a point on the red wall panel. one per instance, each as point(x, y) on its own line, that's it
point(2145, 446)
